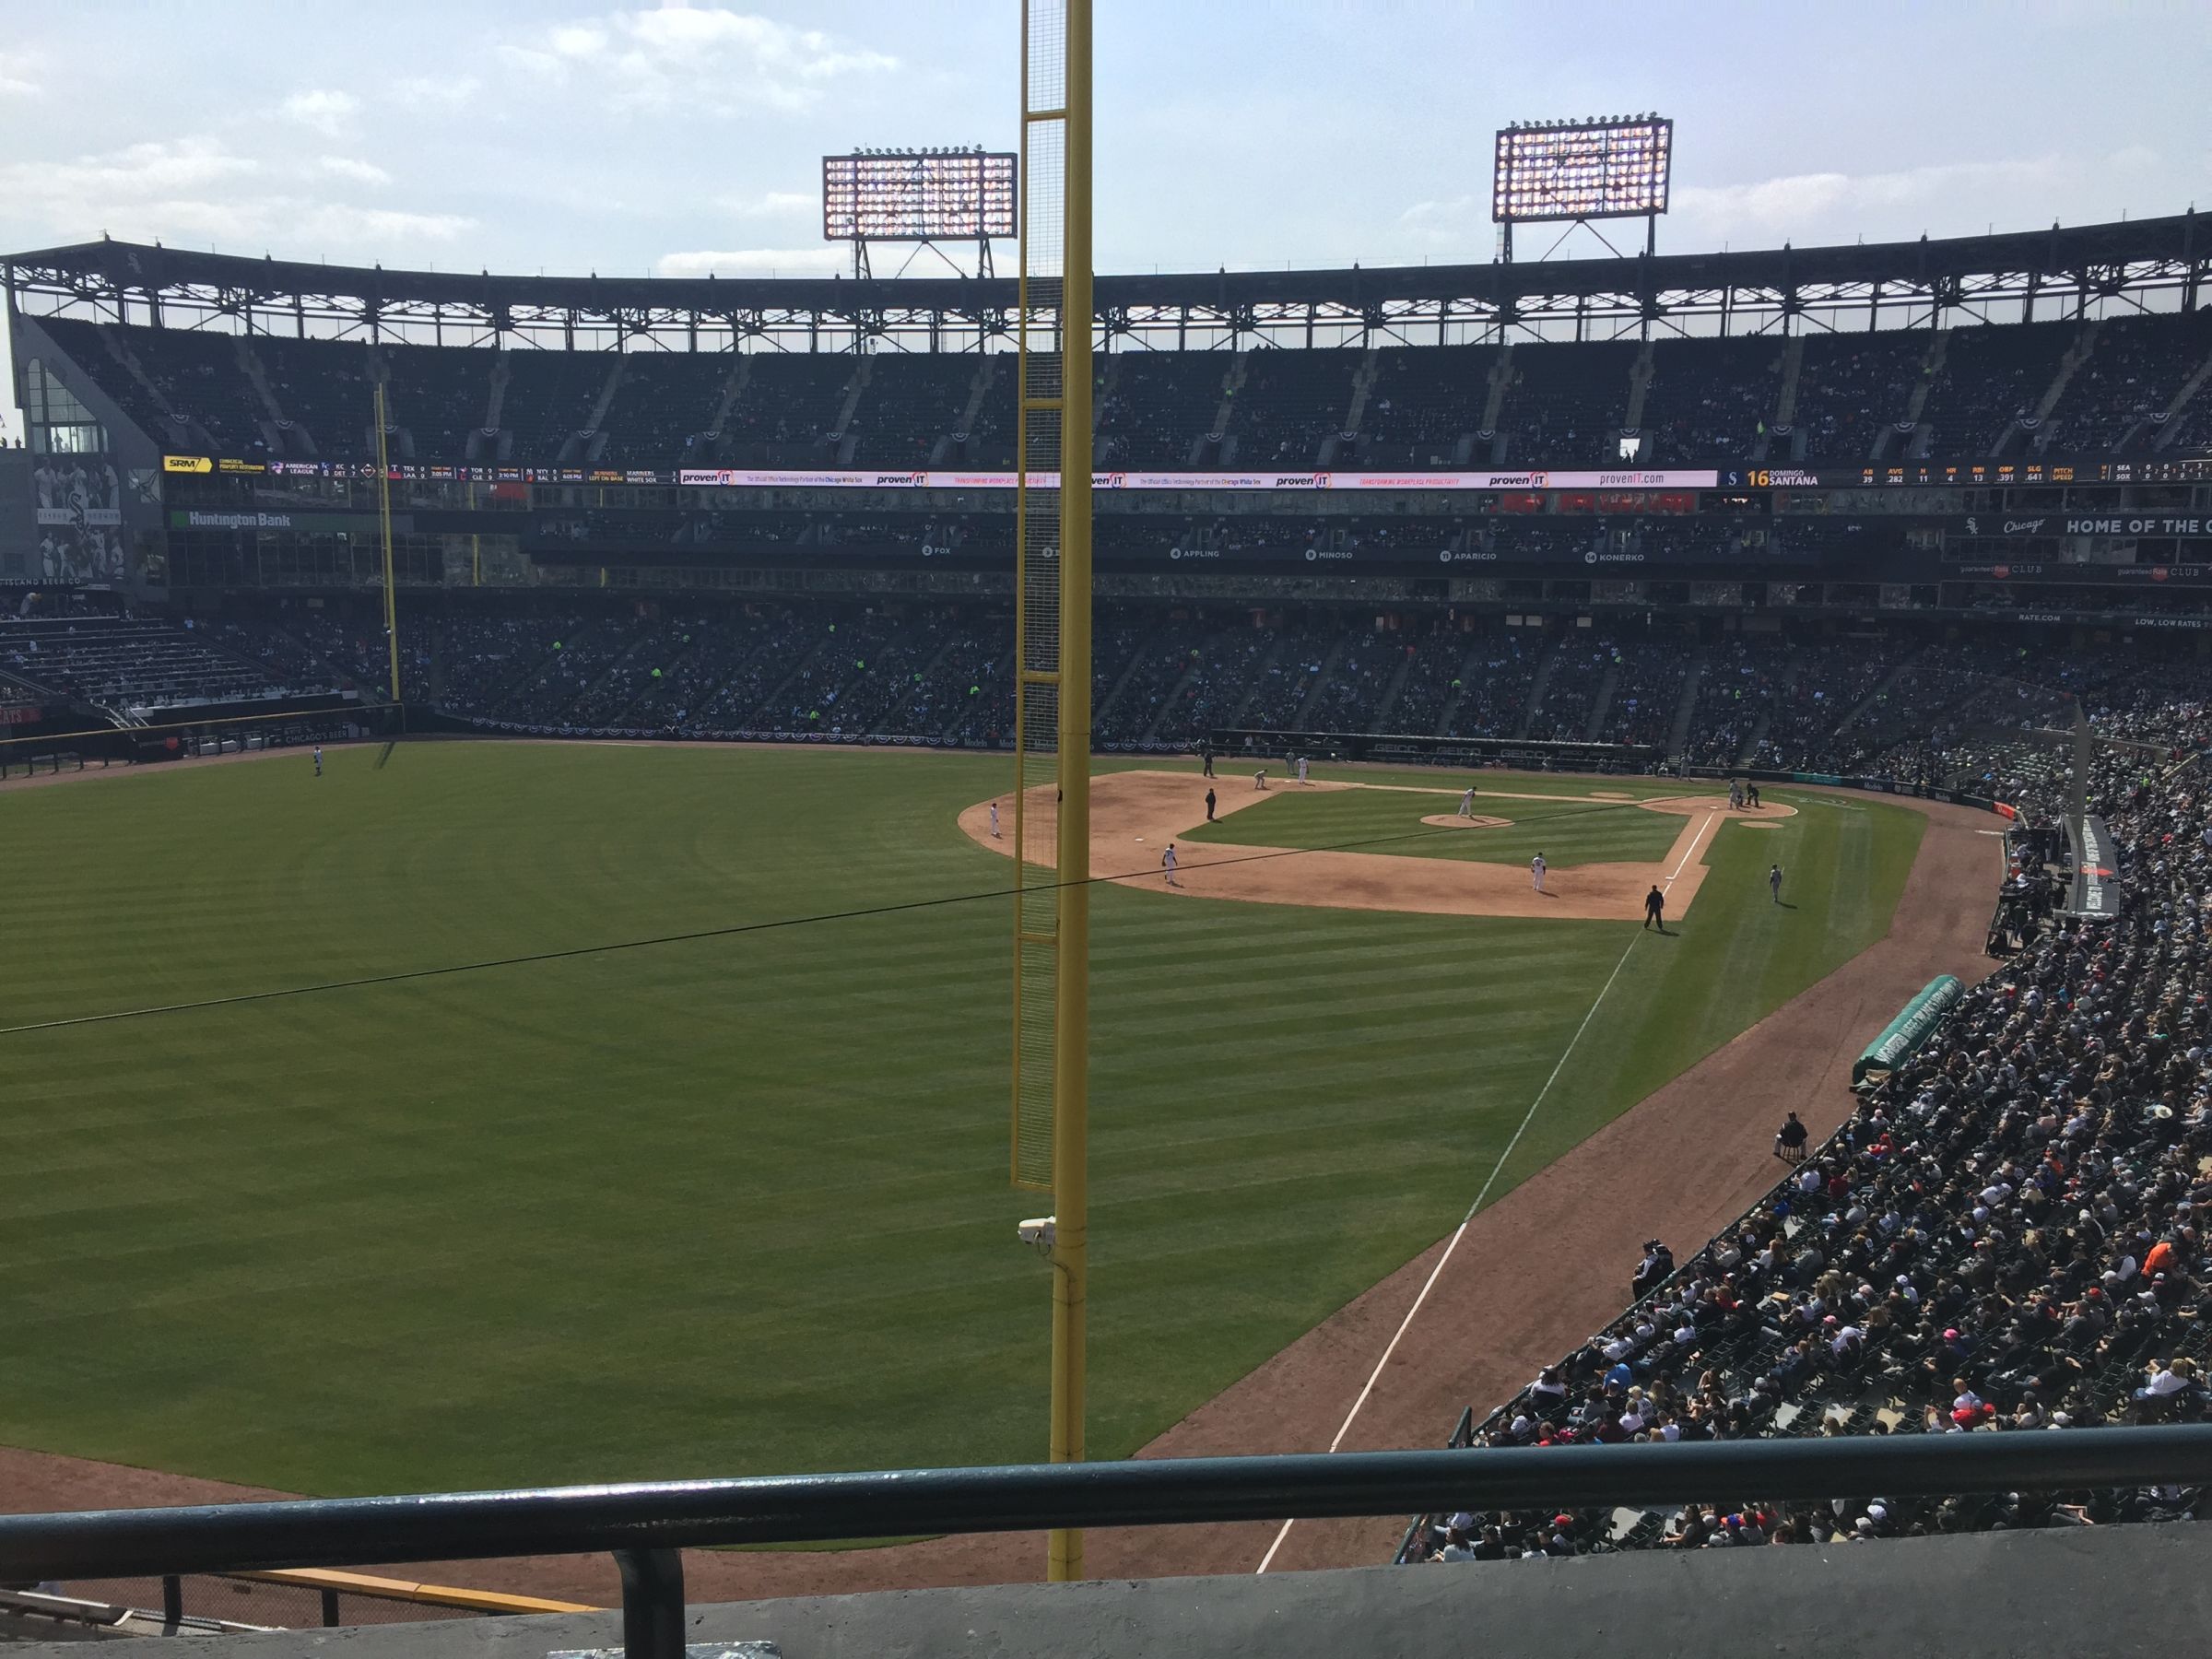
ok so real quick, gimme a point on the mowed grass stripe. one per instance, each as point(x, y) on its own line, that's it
point(724, 1206)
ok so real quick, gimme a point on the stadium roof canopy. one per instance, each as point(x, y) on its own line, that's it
point(2142, 264)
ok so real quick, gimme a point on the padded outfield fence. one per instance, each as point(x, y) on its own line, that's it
point(203, 736)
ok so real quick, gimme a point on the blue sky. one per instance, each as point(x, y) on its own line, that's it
point(675, 140)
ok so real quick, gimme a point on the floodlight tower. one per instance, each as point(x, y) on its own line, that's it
point(1576, 172)
point(927, 197)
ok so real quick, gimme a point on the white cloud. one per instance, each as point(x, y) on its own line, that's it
point(697, 58)
point(331, 224)
point(136, 174)
point(195, 189)
point(772, 203)
point(329, 112)
point(361, 172)
point(754, 262)
point(1792, 204)
point(19, 73)
point(427, 91)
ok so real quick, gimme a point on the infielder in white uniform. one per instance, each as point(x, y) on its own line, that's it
point(1167, 862)
point(1466, 803)
point(1535, 872)
point(995, 820)
point(1301, 770)
point(1259, 779)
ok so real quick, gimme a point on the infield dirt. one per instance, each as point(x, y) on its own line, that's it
point(1134, 816)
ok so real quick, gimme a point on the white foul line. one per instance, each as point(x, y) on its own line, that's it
point(1460, 1232)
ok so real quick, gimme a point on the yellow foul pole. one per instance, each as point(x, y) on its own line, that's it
point(383, 515)
point(1071, 1052)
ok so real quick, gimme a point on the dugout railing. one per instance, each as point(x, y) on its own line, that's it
point(645, 1525)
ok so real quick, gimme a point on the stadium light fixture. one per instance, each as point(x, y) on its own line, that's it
point(1611, 168)
point(918, 196)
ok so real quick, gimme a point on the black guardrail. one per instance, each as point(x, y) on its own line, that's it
point(645, 1524)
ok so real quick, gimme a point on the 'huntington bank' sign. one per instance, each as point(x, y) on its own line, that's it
point(2095, 895)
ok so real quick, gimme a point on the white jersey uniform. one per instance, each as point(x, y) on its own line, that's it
point(1535, 872)
point(1301, 768)
point(1167, 862)
point(1466, 804)
point(995, 820)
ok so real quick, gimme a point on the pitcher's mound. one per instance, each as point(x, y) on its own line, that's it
point(1452, 820)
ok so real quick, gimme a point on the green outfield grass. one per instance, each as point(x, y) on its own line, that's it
point(736, 1204)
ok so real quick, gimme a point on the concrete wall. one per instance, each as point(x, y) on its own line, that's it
point(2084, 1593)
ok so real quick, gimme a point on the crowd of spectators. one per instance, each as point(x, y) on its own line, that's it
point(2008, 1236)
point(1580, 668)
point(1961, 714)
point(141, 667)
point(1707, 401)
point(1647, 693)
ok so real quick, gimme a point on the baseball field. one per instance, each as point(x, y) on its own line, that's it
point(485, 1114)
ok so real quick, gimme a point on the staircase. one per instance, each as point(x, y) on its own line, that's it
point(1231, 383)
point(636, 645)
point(496, 699)
point(972, 410)
point(1363, 385)
point(1601, 705)
point(496, 406)
point(843, 438)
point(128, 361)
point(1640, 387)
point(1882, 690)
point(1537, 690)
point(1302, 721)
point(1259, 676)
point(2084, 346)
point(1785, 406)
point(1120, 683)
point(620, 717)
point(1006, 666)
point(1393, 691)
point(775, 695)
point(1760, 729)
point(1677, 729)
point(1466, 681)
point(1174, 692)
point(1493, 407)
point(250, 365)
point(733, 388)
point(1931, 370)
point(2171, 425)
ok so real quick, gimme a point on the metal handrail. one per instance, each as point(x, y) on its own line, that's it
point(644, 1524)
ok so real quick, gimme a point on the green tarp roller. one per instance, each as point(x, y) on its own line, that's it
point(1901, 1038)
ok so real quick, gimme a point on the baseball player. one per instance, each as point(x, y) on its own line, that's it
point(1209, 806)
point(1259, 779)
point(1735, 795)
point(1466, 803)
point(1301, 770)
point(1535, 872)
point(1167, 862)
point(995, 820)
point(1774, 882)
point(318, 759)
